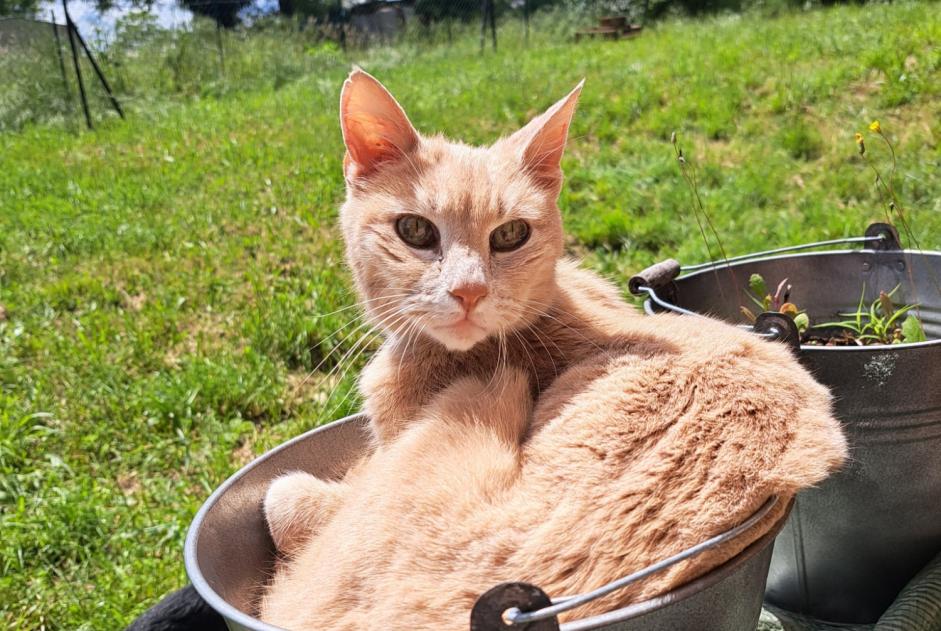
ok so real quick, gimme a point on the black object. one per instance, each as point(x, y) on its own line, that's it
point(183, 610)
point(95, 66)
point(657, 276)
point(78, 70)
point(487, 614)
point(488, 17)
point(65, 79)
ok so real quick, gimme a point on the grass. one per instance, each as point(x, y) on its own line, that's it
point(161, 278)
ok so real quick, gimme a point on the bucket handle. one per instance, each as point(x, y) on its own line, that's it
point(770, 325)
point(523, 606)
point(882, 236)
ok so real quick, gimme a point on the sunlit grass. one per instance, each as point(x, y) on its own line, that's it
point(161, 279)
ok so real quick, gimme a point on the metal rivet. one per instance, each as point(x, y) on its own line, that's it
point(867, 266)
point(900, 266)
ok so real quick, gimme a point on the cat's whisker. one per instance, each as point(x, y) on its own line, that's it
point(535, 332)
point(361, 303)
point(335, 348)
point(392, 311)
point(361, 346)
point(496, 366)
point(532, 363)
point(408, 339)
point(545, 314)
point(416, 172)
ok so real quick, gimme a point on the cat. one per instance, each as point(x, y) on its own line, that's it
point(529, 424)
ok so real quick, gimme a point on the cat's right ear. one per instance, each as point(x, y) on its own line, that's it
point(375, 128)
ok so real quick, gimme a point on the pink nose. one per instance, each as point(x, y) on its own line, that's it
point(469, 295)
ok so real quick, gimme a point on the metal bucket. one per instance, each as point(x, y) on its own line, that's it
point(852, 543)
point(229, 554)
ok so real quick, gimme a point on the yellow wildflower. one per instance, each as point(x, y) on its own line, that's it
point(875, 126)
point(860, 143)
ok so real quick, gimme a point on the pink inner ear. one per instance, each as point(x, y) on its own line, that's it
point(375, 128)
point(547, 134)
point(543, 157)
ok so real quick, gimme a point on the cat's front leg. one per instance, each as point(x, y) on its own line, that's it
point(502, 404)
point(297, 506)
point(394, 390)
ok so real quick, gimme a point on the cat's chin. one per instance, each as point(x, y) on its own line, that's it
point(460, 337)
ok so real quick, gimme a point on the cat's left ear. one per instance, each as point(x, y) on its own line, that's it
point(543, 141)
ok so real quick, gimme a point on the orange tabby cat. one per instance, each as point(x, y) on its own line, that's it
point(530, 425)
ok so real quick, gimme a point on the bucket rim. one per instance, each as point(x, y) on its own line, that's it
point(628, 612)
point(808, 348)
point(190, 558)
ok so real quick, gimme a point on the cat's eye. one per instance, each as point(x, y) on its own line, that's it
point(509, 236)
point(417, 231)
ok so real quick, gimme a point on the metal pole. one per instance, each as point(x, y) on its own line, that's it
point(221, 50)
point(483, 24)
point(526, 21)
point(65, 79)
point(78, 69)
point(101, 75)
point(493, 24)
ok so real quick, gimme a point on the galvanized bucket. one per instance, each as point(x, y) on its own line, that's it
point(229, 556)
point(852, 543)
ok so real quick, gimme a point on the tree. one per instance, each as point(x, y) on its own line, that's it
point(20, 8)
point(439, 10)
point(224, 12)
point(318, 9)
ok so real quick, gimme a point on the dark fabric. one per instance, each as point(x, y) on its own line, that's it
point(917, 608)
point(183, 610)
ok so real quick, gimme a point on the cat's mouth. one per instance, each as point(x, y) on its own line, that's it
point(460, 334)
point(463, 325)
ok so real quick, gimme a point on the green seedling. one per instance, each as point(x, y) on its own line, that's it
point(778, 301)
point(881, 322)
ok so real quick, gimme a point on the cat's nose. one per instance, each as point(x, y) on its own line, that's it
point(469, 295)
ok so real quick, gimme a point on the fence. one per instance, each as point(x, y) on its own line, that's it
point(21, 38)
point(51, 74)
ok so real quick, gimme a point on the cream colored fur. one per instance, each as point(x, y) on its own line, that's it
point(568, 442)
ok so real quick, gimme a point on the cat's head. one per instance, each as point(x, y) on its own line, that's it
point(454, 242)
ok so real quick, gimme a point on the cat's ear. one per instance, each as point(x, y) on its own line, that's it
point(375, 128)
point(543, 141)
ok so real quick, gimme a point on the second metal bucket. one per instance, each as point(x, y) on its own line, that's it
point(852, 543)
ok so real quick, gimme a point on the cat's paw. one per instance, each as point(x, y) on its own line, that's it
point(297, 505)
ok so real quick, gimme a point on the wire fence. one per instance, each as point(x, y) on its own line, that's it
point(53, 75)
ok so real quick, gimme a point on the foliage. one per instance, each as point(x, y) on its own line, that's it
point(169, 282)
point(881, 322)
point(779, 301)
point(223, 12)
point(26, 8)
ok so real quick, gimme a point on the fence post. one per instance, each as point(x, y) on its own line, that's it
point(65, 79)
point(526, 21)
point(493, 24)
point(483, 24)
point(78, 70)
point(487, 16)
point(221, 49)
point(94, 64)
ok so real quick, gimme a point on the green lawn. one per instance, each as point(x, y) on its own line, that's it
point(161, 278)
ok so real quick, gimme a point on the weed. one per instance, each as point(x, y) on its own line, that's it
point(880, 323)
